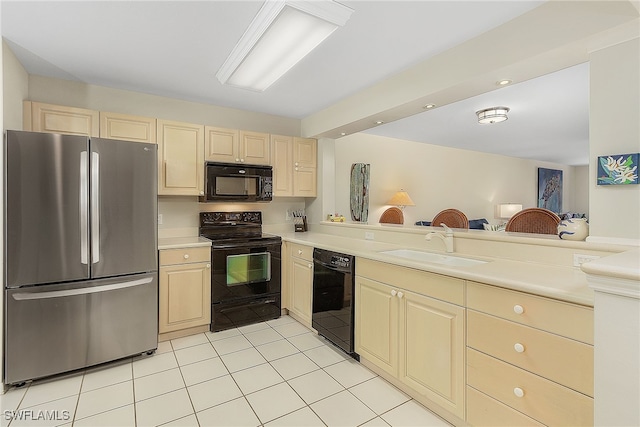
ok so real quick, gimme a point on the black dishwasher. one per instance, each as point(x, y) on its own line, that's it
point(333, 292)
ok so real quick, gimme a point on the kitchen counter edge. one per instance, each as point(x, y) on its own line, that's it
point(182, 242)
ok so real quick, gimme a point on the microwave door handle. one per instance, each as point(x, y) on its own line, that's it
point(84, 209)
point(95, 207)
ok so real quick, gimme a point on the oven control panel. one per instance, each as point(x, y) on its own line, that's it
point(341, 261)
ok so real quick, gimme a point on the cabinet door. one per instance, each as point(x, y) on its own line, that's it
point(305, 162)
point(184, 296)
point(42, 117)
point(180, 158)
point(127, 128)
point(282, 162)
point(254, 148)
point(304, 182)
point(376, 329)
point(222, 145)
point(300, 287)
point(432, 349)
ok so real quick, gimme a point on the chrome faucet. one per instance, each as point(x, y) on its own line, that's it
point(447, 238)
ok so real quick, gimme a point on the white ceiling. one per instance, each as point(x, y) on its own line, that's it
point(174, 49)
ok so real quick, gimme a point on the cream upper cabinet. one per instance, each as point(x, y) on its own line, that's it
point(127, 128)
point(294, 166)
point(40, 117)
point(416, 338)
point(180, 158)
point(282, 161)
point(184, 294)
point(222, 145)
point(300, 285)
point(237, 146)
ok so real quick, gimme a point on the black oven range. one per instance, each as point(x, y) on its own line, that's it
point(245, 273)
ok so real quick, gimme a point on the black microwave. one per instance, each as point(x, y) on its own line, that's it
point(228, 182)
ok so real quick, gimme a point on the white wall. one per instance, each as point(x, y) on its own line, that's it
point(614, 128)
point(438, 178)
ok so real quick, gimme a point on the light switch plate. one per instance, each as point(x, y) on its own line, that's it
point(159, 219)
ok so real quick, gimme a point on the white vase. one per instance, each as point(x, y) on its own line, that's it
point(573, 229)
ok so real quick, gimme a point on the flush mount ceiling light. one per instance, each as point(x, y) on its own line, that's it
point(281, 34)
point(492, 115)
point(503, 82)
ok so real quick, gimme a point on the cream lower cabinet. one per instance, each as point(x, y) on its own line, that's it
point(414, 338)
point(184, 292)
point(300, 283)
point(529, 359)
point(180, 158)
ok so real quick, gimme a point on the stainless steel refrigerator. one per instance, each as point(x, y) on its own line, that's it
point(81, 284)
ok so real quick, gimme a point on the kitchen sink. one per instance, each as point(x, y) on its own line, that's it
point(433, 258)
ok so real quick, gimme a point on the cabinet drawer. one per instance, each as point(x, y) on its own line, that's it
point(541, 399)
point(559, 359)
point(562, 318)
point(302, 251)
point(483, 410)
point(444, 288)
point(185, 255)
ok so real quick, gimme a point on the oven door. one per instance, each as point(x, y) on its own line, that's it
point(244, 270)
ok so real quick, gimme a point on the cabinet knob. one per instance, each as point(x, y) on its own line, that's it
point(237, 159)
point(518, 347)
point(310, 265)
point(400, 294)
point(299, 252)
point(208, 265)
point(241, 160)
point(518, 309)
point(394, 293)
point(186, 256)
point(518, 392)
point(295, 164)
point(202, 193)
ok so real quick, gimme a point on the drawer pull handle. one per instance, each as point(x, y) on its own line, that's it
point(394, 293)
point(400, 294)
point(518, 347)
point(518, 309)
point(186, 256)
point(518, 392)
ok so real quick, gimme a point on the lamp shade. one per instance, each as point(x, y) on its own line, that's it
point(401, 198)
point(507, 210)
point(492, 115)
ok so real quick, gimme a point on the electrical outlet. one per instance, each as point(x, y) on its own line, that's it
point(579, 259)
point(368, 235)
point(159, 219)
point(287, 215)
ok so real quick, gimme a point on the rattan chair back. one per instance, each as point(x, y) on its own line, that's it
point(452, 218)
point(534, 220)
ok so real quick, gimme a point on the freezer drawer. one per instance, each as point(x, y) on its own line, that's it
point(57, 328)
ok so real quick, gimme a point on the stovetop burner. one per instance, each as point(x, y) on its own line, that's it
point(234, 227)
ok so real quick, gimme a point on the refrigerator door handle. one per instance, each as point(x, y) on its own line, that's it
point(84, 209)
point(23, 296)
point(95, 207)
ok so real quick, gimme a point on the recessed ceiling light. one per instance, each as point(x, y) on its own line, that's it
point(429, 106)
point(378, 122)
point(503, 82)
point(343, 133)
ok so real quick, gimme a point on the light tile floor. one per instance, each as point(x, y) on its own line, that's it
point(276, 373)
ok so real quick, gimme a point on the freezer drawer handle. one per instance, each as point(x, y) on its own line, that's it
point(84, 209)
point(95, 207)
point(23, 296)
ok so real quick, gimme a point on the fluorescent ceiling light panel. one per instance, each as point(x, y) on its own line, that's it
point(281, 34)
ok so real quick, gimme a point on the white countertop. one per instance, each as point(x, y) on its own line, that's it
point(563, 283)
point(182, 242)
